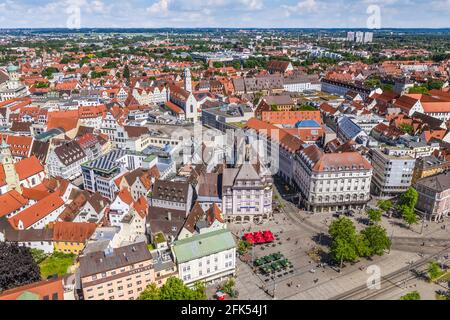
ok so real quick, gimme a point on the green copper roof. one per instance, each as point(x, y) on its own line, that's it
point(203, 245)
point(28, 296)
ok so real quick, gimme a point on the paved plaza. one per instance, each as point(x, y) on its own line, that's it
point(299, 232)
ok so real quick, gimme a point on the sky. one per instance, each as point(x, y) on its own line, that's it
point(225, 13)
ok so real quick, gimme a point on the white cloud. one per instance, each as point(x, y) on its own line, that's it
point(441, 4)
point(301, 7)
point(160, 7)
point(253, 4)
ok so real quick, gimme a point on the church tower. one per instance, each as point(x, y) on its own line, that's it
point(187, 80)
point(13, 82)
point(11, 176)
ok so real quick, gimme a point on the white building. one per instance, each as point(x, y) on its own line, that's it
point(392, 173)
point(247, 193)
point(65, 161)
point(331, 182)
point(151, 95)
point(207, 257)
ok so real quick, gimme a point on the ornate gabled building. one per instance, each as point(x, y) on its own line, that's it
point(247, 193)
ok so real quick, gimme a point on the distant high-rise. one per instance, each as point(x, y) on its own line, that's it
point(359, 37)
point(368, 37)
point(350, 36)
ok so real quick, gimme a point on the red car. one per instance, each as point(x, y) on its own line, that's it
point(220, 296)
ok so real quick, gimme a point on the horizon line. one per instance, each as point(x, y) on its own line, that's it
point(236, 28)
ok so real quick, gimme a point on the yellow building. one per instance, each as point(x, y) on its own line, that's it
point(71, 237)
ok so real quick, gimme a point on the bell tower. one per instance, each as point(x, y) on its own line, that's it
point(187, 80)
point(11, 176)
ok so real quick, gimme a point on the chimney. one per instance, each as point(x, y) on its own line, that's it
point(169, 216)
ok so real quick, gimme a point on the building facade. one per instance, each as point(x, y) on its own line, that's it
point(331, 182)
point(206, 257)
point(117, 274)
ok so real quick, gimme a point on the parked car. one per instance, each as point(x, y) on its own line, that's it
point(349, 213)
point(220, 295)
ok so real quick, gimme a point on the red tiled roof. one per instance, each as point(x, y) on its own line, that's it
point(141, 206)
point(290, 117)
point(285, 139)
point(50, 289)
point(125, 196)
point(173, 107)
point(28, 167)
point(38, 211)
point(73, 231)
point(10, 202)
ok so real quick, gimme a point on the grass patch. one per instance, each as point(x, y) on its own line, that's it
point(159, 238)
point(443, 278)
point(150, 247)
point(57, 263)
point(442, 297)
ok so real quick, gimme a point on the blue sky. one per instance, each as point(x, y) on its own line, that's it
point(225, 13)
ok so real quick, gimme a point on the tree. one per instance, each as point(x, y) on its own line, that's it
point(342, 250)
point(237, 65)
point(411, 296)
point(376, 239)
point(407, 204)
point(174, 289)
point(217, 64)
point(38, 255)
point(375, 215)
point(344, 244)
point(198, 291)
point(409, 198)
point(40, 85)
point(418, 89)
point(17, 266)
point(48, 72)
point(408, 214)
point(150, 293)
point(126, 72)
point(435, 84)
point(434, 270)
point(306, 107)
point(343, 228)
point(243, 246)
point(385, 205)
point(228, 287)
point(406, 128)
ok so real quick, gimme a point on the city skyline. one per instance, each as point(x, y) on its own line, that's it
point(225, 14)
